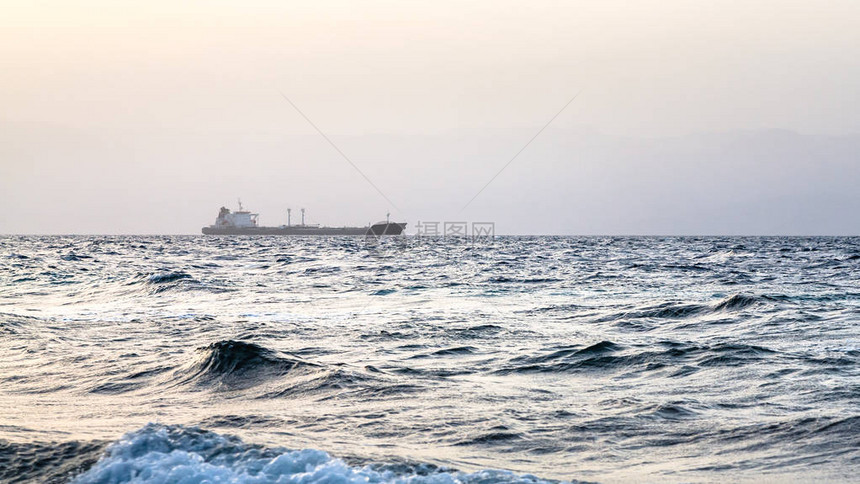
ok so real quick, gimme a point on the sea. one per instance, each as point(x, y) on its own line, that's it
point(192, 359)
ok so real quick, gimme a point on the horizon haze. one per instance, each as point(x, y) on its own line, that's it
point(692, 118)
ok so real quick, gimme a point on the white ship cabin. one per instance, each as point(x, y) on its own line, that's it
point(240, 218)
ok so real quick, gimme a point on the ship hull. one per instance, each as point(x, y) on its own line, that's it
point(376, 229)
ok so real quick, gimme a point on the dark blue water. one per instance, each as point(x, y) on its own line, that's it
point(182, 359)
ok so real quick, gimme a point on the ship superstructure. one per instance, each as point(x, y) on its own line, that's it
point(240, 218)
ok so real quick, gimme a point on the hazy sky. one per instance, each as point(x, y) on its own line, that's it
point(145, 117)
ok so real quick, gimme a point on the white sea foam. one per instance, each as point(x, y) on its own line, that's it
point(187, 455)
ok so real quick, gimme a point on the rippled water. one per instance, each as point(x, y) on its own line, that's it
point(593, 358)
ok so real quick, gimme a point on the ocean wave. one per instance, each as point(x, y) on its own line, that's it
point(13, 323)
point(524, 280)
point(499, 434)
point(162, 453)
point(673, 411)
point(165, 277)
point(162, 282)
point(240, 421)
point(341, 382)
point(47, 463)
point(452, 351)
point(680, 310)
point(137, 379)
point(739, 301)
point(172, 281)
point(238, 364)
point(819, 437)
point(72, 257)
point(609, 356)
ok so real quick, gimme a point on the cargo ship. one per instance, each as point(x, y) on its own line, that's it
point(243, 222)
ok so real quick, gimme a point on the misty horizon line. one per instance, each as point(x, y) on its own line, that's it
point(620, 235)
point(474, 130)
point(739, 183)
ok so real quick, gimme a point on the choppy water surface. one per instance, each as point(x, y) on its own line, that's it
point(597, 359)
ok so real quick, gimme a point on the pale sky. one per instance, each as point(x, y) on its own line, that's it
point(145, 117)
